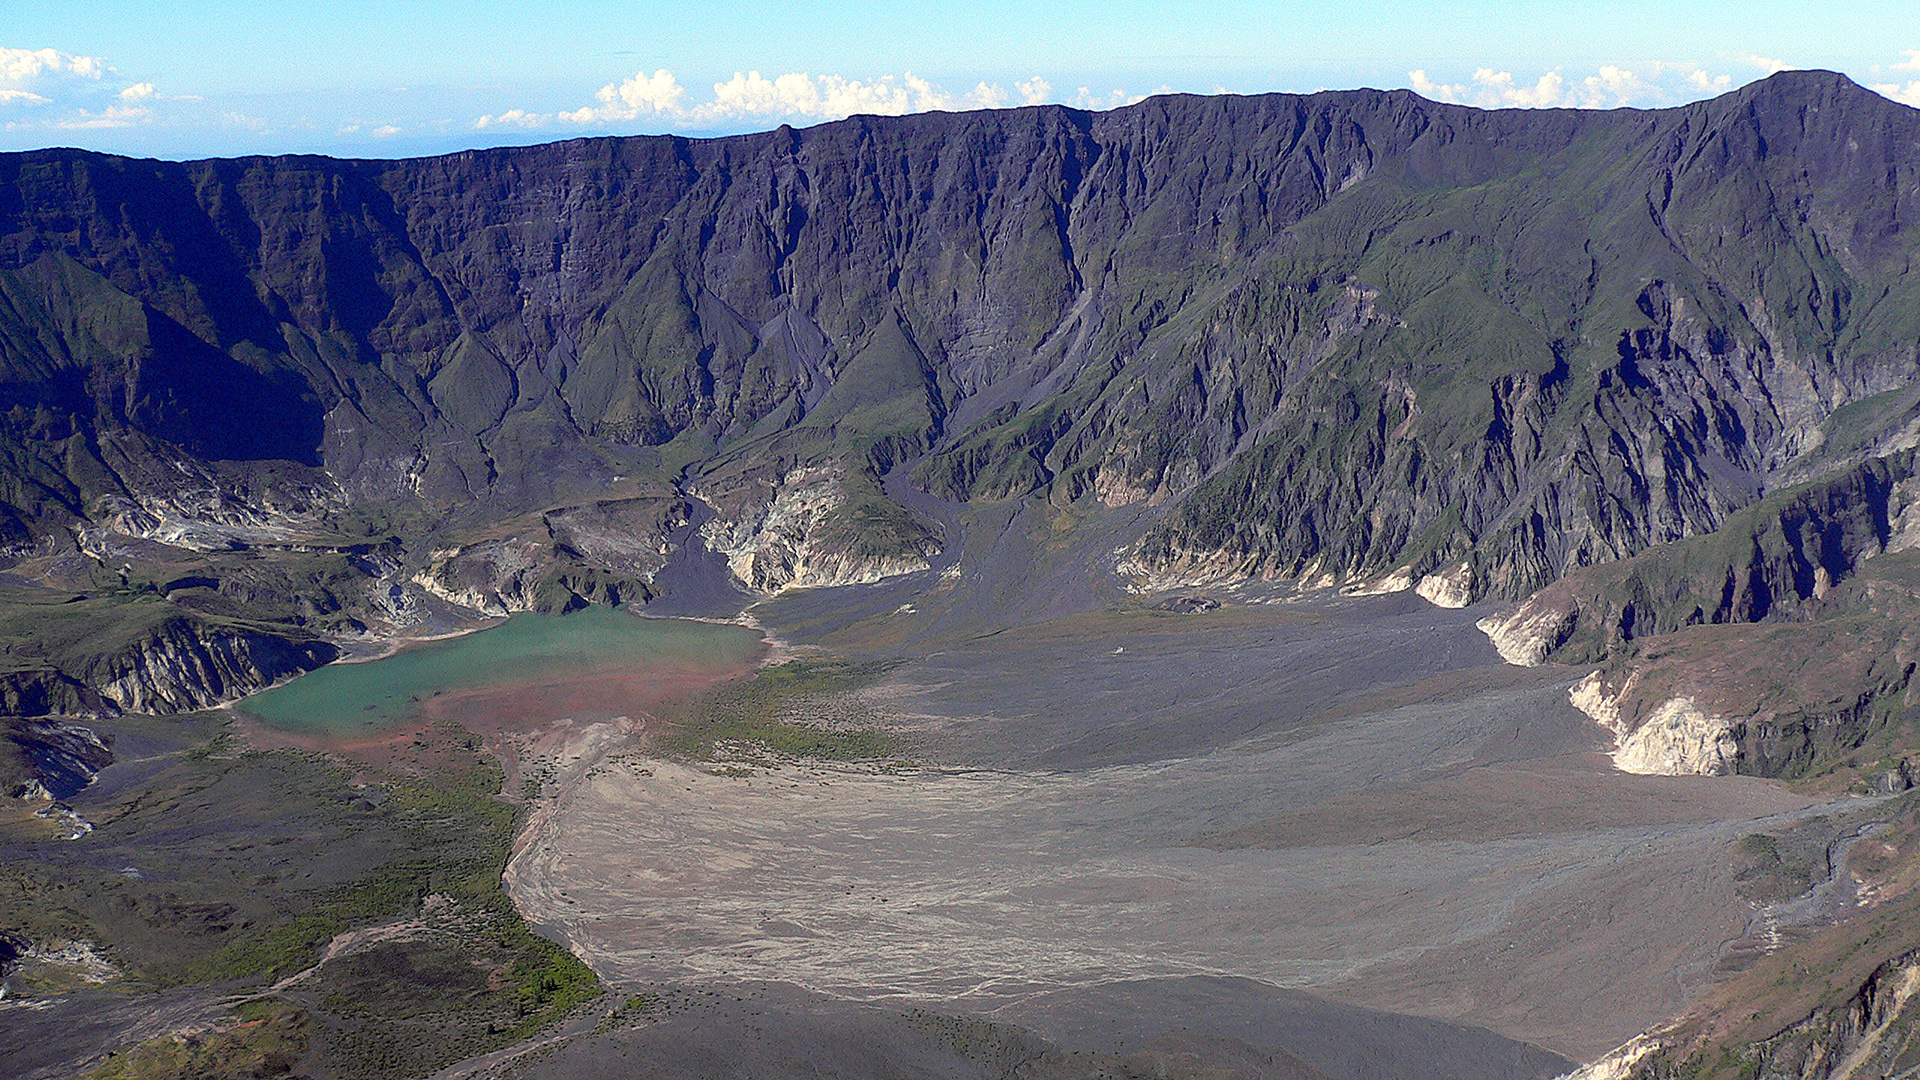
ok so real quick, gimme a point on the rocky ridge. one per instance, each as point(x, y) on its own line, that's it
point(1777, 645)
point(1281, 317)
point(795, 534)
point(1351, 339)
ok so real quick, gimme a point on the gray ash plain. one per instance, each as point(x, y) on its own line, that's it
point(1217, 830)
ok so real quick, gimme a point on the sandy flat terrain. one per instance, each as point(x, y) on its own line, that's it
point(1463, 853)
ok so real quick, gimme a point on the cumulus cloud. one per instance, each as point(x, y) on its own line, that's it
point(511, 118)
point(1084, 98)
point(752, 97)
point(1609, 87)
point(830, 97)
point(1711, 85)
point(72, 92)
point(642, 95)
point(1908, 92)
point(31, 76)
point(18, 66)
point(991, 96)
point(1647, 86)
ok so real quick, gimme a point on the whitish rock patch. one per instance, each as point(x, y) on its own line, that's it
point(1677, 738)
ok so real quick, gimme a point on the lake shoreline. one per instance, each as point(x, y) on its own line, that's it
point(527, 670)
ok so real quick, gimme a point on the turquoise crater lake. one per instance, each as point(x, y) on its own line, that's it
point(531, 668)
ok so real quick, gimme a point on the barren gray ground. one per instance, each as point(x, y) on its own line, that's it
point(1194, 1027)
point(1354, 799)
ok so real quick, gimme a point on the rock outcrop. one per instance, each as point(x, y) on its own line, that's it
point(185, 666)
point(1674, 738)
point(1778, 645)
point(47, 760)
point(1335, 339)
point(1183, 303)
point(802, 530)
point(1770, 562)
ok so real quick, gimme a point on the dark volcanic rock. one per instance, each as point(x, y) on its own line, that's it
point(1328, 337)
point(1369, 327)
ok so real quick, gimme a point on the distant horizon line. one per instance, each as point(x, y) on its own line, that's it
point(1787, 74)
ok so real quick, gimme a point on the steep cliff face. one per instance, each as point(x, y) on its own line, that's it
point(1769, 562)
point(605, 551)
point(1338, 333)
point(1343, 338)
point(804, 529)
point(184, 665)
point(139, 652)
point(1782, 645)
point(1834, 694)
point(1673, 738)
point(1872, 1034)
point(46, 760)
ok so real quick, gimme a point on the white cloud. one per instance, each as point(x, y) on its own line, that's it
point(519, 118)
point(1545, 93)
point(796, 95)
point(385, 131)
point(1083, 98)
point(1609, 87)
point(1907, 94)
point(19, 66)
point(74, 92)
point(990, 96)
point(642, 95)
point(1492, 89)
point(1709, 84)
point(800, 95)
point(1438, 91)
point(1615, 84)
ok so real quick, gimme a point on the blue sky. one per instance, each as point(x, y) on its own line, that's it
point(353, 77)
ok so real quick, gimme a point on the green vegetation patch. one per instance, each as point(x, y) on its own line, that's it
point(241, 866)
point(797, 709)
point(1764, 874)
point(870, 525)
point(638, 1008)
point(406, 1008)
point(268, 1038)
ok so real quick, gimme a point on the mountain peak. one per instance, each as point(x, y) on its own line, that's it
point(1809, 86)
